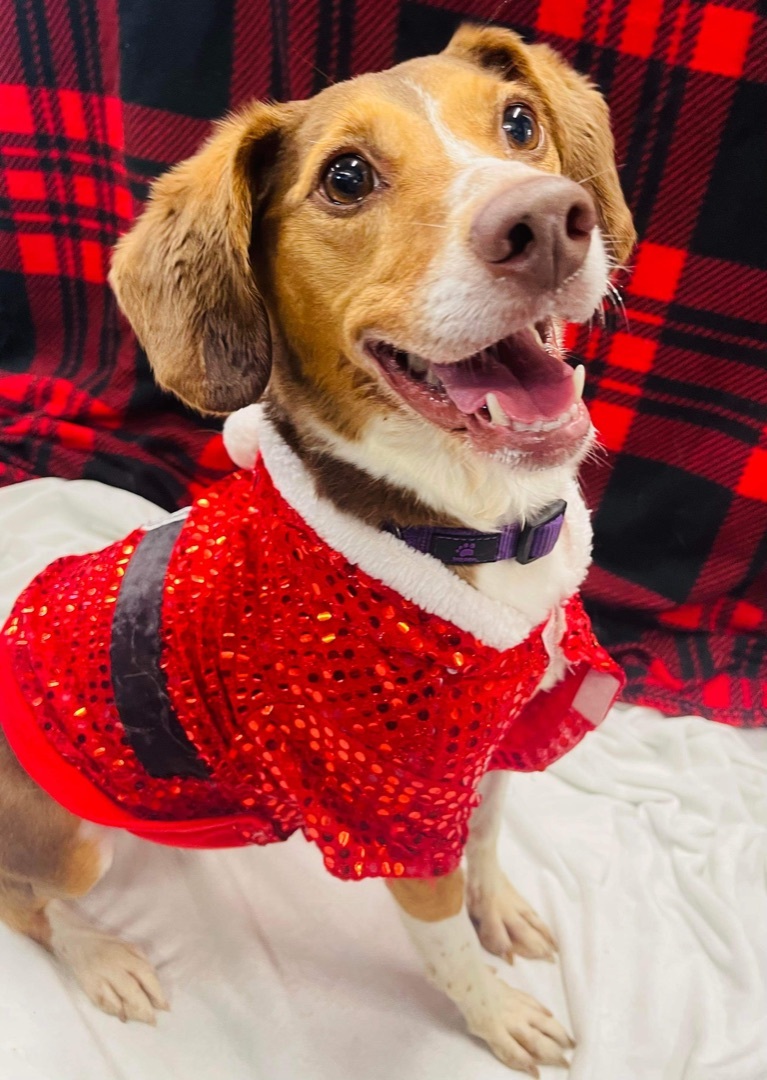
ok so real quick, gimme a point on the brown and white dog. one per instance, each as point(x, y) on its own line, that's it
point(348, 252)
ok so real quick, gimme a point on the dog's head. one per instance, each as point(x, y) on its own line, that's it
point(400, 248)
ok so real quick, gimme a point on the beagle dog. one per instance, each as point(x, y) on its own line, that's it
point(386, 268)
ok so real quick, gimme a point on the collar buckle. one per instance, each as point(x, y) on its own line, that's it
point(538, 537)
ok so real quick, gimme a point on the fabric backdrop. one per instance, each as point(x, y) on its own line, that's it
point(96, 98)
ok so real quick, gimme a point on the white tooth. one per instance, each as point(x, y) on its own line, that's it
point(416, 363)
point(431, 378)
point(494, 407)
point(579, 381)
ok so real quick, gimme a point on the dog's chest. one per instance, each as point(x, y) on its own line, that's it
point(534, 589)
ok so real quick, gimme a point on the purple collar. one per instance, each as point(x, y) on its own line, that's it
point(466, 547)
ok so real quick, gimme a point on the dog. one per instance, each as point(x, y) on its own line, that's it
point(392, 584)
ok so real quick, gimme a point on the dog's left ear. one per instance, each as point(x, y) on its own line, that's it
point(183, 274)
point(577, 112)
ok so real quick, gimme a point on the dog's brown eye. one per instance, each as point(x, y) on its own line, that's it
point(348, 180)
point(521, 127)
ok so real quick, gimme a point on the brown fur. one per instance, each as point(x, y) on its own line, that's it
point(573, 106)
point(429, 899)
point(42, 856)
point(352, 490)
point(237, 275)
point(238, 230)
point(184, 272)
point(323, 274)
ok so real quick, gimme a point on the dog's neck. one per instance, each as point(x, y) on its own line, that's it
point(406, 473)
point(367, 482)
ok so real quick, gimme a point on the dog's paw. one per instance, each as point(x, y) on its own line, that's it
point(118, 979)
point(517, 1028)
point(114, 975)
point(506, 924)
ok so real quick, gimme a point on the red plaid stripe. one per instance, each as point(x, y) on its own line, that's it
point(679, 589)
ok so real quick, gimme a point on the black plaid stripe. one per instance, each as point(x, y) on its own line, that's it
point(679, 393)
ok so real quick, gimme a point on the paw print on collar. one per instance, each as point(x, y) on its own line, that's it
point(467, 550)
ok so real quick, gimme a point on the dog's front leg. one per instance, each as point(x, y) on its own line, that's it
point(518, 1030)
point(505, 922)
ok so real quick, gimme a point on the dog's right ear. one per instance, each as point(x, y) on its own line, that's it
point(183, 276)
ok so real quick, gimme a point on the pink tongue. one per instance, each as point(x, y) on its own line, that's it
point(529, 383)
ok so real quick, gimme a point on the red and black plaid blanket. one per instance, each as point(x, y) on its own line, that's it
point(96, 98)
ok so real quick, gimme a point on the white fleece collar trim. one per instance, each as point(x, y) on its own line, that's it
point(420, 578)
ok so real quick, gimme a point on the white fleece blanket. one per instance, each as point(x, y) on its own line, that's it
point(645, 849)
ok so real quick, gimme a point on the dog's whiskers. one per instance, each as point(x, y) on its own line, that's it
point(597, 453)
point(615, 299)
point(496, 13)
point(601, 172)
point(328, 78)
point(593, 176)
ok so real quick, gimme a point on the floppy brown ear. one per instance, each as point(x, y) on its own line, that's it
point(577, 112)
point(182, 275)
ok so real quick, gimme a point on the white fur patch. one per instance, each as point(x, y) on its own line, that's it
point(514, 1025)
point(483, 872)
point(462, 307)
point(460, 151)
point(453, 961)
point(482, 493)
point(505, 922)
point(486, 819)
point(501, 622)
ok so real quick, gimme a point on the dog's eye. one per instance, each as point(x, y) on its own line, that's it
point(348, 179)
point(521, 127)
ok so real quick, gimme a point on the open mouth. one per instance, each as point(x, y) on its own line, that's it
point(516, 395)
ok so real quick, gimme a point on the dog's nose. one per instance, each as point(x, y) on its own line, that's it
point(537, 230)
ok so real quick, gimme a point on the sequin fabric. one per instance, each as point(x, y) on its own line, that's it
point(319, 698)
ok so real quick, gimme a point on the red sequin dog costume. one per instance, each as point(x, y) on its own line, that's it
point(229, 677)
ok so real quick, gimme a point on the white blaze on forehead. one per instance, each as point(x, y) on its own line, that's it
point(460, 151)
point(458, 295)
point(461, 306)
point(467, 155)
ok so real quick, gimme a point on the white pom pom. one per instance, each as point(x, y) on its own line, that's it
point(241, 436)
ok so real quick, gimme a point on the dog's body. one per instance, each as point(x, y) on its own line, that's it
point(263, 664)
point(328, 248)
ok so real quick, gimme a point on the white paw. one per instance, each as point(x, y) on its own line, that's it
point(121, 981)
point(519, 1031)
point(114, 975)
point(506, 924)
